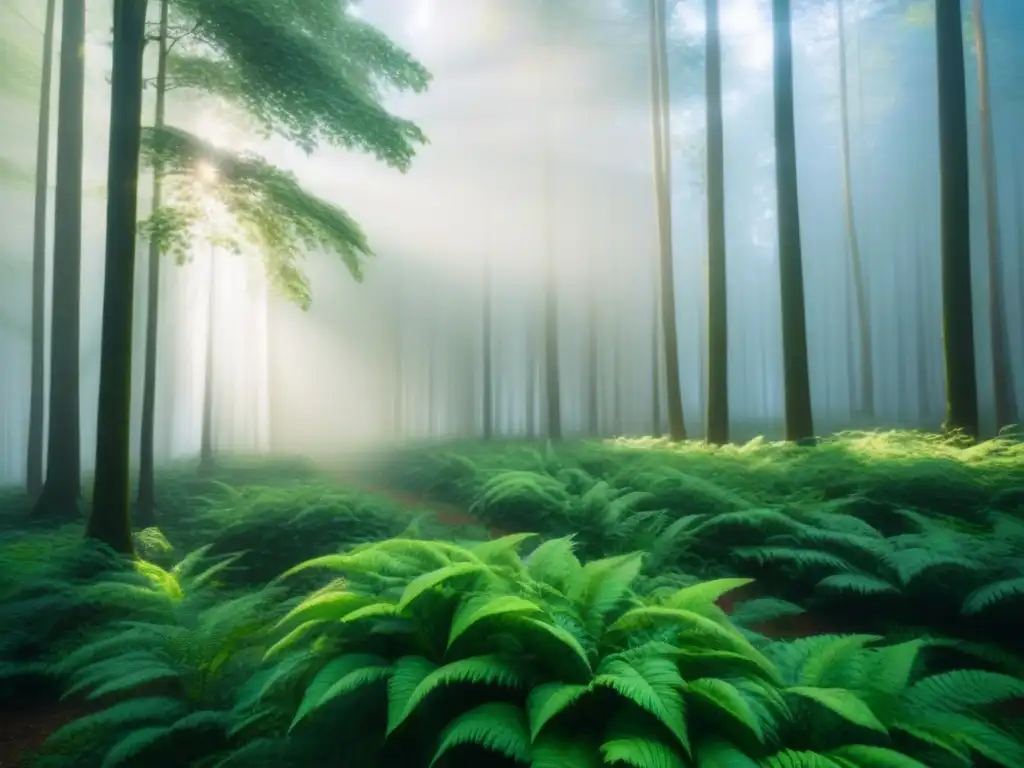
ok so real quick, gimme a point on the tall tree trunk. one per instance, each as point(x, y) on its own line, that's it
point(110, 521)
point(531, 385)
point(663, 196)
point(799, 421)
point(206, 459)
point(552, 373)
point(867, 376)
point(432, 383)
point(487, 353)
point(924, 399)
point(63, 487)
point(36, 413)
point(593, 419)
point(145, 511)
point(957, 307)
point(1002, 367)
point(717, 427)
point(657, 351)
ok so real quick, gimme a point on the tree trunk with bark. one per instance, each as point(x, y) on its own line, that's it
point(37, 397)
point(957, 301)
point(799, 420)
point(111, 521)
point(663, 196)
point(867, 374)
point(62, 491)
point(1002, 367)
point(145, 510)
point(717, 426)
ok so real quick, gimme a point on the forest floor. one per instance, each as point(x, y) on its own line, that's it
point(24, 729)
point(888, 489)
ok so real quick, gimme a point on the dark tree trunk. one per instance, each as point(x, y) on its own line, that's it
point(145, 512)
point(656, 361)
point(531, 387)
point(36, 412)
point(1002, 367)
point(799, 421)
point(717, 427)
point(663, 195)
point(593, 420)
point(487, 354)
point(62, 490)
point(206, 459)
point(110, 521)
point(924, 398)
point(552, 372)
point(957, 303)
point(867, 375)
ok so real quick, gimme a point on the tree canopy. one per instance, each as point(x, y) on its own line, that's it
point(307, 71)
point(272, 211)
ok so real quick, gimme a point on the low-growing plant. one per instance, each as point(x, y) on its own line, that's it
point(163, 678)
point(427, 653)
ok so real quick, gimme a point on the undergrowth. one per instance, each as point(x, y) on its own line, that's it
point(639, 628)
point(428, 653)
point(881, 529)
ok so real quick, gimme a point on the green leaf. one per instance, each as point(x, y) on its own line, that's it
point(875, 757)
point(791, 758)
point(480, 607)
point(726, 698)
point(547, 701)
point(654, 685)
point(428, 581)
point(326, 684)
point(490, 670)
point(640, 752)
point(494, 726)
point(700, 597)
point(323, 607)
point(133, 744)
point(844, 703)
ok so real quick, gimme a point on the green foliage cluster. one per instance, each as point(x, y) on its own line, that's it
point(885, 530)
point(265, 515)
point(629, 633)
point(310, 73)
point(325, 85)
point(269, 209)
point(430, 653)
point(48, 604)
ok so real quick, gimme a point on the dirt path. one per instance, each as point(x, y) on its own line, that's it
point(445, 514)
point(23, 732)
point(788, 627)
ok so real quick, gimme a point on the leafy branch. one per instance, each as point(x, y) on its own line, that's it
point(270, 210)
point(321, 81)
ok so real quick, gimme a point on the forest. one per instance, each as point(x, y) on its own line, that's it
point(542, 383)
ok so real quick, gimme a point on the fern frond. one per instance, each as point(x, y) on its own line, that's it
point(476, 609)
point(654, 685)
point(963, 689)
point(488, 670)
point(339, 676)
point(497, 727)
point(847, 704)
point(547, 701)
point(998, 592)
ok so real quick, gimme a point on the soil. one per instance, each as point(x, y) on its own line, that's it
point(23, 732)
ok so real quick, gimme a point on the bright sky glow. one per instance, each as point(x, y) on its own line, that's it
point(422, 16)
point(745, 29)
point(206, 173)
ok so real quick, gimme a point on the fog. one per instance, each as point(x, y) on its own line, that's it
point(540, 148)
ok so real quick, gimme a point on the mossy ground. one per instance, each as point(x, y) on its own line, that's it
point(899, 534)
